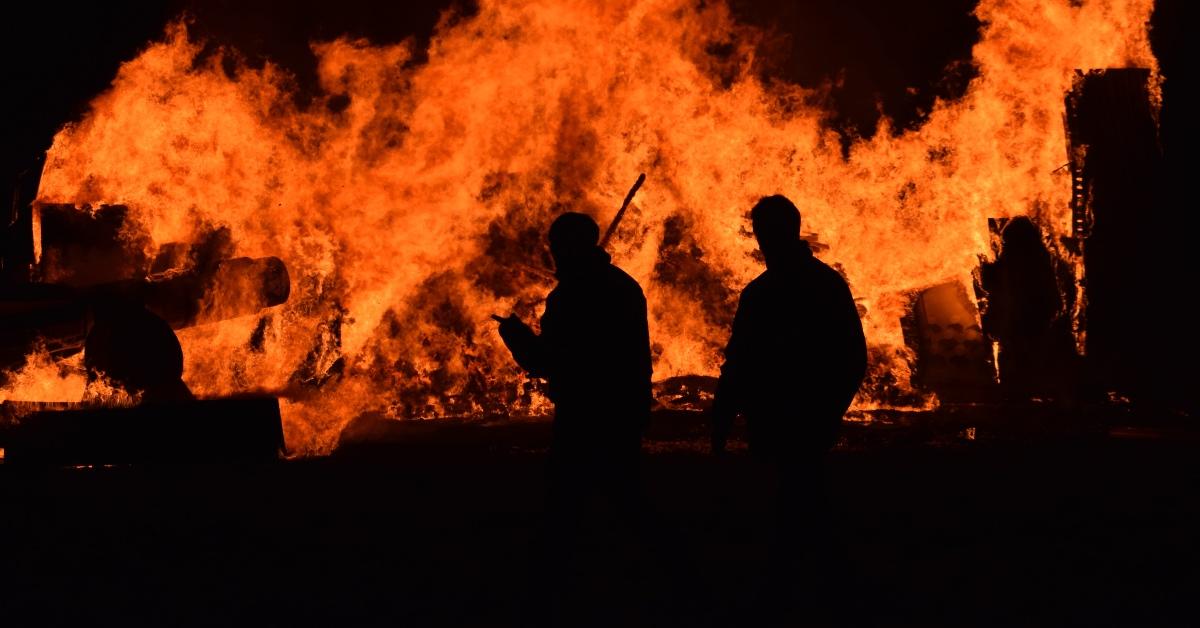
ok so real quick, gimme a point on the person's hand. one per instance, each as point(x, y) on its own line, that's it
point(512, 328)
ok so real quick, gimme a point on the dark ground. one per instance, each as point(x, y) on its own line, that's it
point(1039, 520)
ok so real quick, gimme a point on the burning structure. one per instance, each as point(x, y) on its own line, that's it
point(405, 198)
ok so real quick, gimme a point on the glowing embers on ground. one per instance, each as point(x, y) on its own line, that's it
point(405, 213)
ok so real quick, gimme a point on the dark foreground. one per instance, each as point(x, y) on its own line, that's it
point(431, 524)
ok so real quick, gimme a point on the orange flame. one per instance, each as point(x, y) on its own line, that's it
point(403, 200)
point(42, 378)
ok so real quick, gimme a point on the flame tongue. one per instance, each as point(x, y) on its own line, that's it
point(406, 202)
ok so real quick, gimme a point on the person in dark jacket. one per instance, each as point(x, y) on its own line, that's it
point(1023, 306)
point(594, 352)
point(594, 346)
point(797, 355)
point(795, 360)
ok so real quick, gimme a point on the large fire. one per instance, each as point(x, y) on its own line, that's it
point(410, 200)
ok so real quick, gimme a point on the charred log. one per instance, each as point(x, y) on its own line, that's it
point(59, 315)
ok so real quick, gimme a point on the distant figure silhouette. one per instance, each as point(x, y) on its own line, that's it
point(795, 360)
point(594, 350)
point(1023, 303)
point(137, 351)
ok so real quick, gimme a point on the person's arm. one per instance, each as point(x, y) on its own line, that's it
point(639, 345)
point(843, 344)
point(527, 348)
point(728, 398)
point(857, 343)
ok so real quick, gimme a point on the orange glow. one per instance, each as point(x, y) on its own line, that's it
point(42, 378)
point(392, 212)
point(45, 379)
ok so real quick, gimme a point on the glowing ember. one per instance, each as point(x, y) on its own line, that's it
point(405, 202)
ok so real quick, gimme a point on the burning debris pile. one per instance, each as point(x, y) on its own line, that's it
point(89, 261)
point(410, 200)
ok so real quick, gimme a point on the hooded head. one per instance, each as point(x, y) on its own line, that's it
point(1021, 235)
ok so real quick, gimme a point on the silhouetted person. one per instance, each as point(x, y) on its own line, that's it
point(1023, 303)
point(594, 351)
point(794, 362)
point(137, 351)
point(594, 347)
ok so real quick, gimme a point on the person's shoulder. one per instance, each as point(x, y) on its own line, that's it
point(827, 274)
point(761, 280)
point(557, 294)
point(623, 280)
point(757, 285)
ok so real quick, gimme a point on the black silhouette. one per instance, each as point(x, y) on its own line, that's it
point(794, 362)
point(1023, 303)
point(594, 351)
point(136, 350)
point(797, 355)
